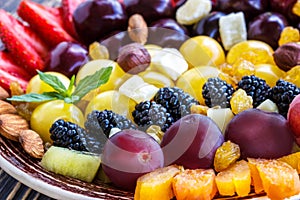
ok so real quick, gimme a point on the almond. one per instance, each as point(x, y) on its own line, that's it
point(3, 93)
point(32, 143)
point(11, 125)
point(7, 108)
point(137, 29)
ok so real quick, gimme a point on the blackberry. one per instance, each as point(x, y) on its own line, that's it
point(149, 113)
point(69, 135)
point(104, 121)
point(283, 94)
point(217, 92)
point(175, 100)
point(255, 87)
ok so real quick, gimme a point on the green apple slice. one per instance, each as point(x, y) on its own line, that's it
point(71, 163)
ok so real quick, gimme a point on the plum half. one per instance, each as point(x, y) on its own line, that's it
point(192, 142)
point(260, 134)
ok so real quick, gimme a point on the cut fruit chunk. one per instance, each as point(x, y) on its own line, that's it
point(192, 11)
point(232, 29)
point(293, 160)
point(235, 179)
point(269, 106)
point(221, 116)
point(156, 184)
point(278, 179)
point(75, 164)
point(195, 184)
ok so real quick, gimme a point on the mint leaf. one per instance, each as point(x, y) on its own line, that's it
point(32, 97)
point(71, 86)
point(52, 81)
point(91, 82)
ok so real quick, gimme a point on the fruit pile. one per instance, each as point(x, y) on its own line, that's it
point(187, 98)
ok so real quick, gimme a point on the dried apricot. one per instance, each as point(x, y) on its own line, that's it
point(235, 179)
point(195, 184)
point(278, 179)
point(226, 155)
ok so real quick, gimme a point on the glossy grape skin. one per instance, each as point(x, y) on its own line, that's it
point(128, 155)
point(67, 58)
point(267, 27)
point(249, 8)
point(150, 10)
point(94, 19)
point(285, 7)
point(260, 134)
point(192, 142)
point(209, 25)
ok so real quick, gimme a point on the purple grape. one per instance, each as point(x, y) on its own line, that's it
point(94, 19)
point(67, 58)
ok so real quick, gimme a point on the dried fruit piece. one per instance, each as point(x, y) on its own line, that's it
point(195, 184)
point(137, 29)
point(242, 67)
point(11, 125)
point(293, 76)
point(227, 154)
point(296, 8)
point(199, 109)
point(289, 34)
point(240, 101)
point(293, 160)
point(32, 143)
point(156, 184)
point(98, 51)
point(7, 108)
point(278, 179)
point(235, 179)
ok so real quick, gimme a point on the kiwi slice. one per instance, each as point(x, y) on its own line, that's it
point(75, 164)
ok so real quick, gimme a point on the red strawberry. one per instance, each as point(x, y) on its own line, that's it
point(10, 72)
point(26, 47)
point(45, 21)
point(68, 8)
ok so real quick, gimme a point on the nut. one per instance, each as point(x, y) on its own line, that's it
point(287, 56)
point(134, 58)
point(7, 108)
point(3, 93)
point(137, 29)
point(32, 143)
point(11, 125)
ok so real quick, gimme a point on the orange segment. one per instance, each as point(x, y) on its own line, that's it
point(235, 179)
point(293, 160)
point(156, 184)
point(279, 180)
point(195, 184)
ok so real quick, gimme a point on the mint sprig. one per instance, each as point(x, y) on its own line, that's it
point(69, 95)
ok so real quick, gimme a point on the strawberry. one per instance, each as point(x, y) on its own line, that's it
point(10, 72)
point(68, 8)
point(26, 47)
point(45, 21)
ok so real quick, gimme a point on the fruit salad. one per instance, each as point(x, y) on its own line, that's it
point(184, 99)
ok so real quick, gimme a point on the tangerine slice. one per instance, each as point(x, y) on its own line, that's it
point(278, 179)
point(235, 179)
point(156, 184)
point(195, 184)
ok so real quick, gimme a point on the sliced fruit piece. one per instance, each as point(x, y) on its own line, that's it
point(10, 72)
point(268, 105)
point(293, 160)
point(195, 184)
point(23, 44)
point(278, 179)
point(232, 29)
point(68, 7)
point(75, 164)
point(221, 116)
point(156, 184)
point(235, 179)
point(45, 21)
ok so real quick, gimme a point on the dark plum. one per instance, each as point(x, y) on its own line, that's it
point(286, 8)
point(150, 10)
point(170, 23)
point(249, 8)
point(129, 154)
point(94, 19)
point(260, 134)
point(67, 58)
point(209, 25)
point(192, 142)
point(267, 27)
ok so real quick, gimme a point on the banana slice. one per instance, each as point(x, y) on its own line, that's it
point(232, 29)
point(192, 11)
